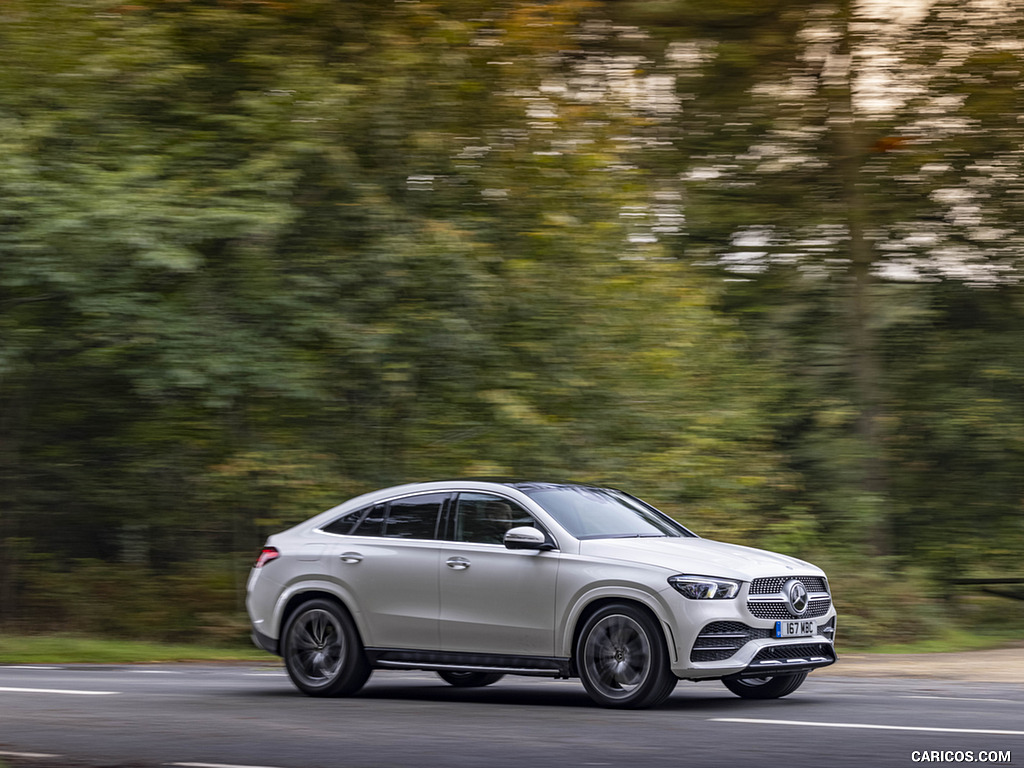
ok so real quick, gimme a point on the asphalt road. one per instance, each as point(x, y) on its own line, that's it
point(195, 716)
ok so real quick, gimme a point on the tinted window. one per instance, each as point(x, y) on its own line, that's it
point(484, 519)
point(414, 517)
point(372, 523)
point(596, 513)
point(344, 525)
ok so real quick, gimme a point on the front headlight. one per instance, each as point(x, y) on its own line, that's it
point(705, 587)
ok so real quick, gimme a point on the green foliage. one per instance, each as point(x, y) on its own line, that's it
point(875, 608)
point(258, 257)
point(65, 648)
point(872, 253)
point(198, 601)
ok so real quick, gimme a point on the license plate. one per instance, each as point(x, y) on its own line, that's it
point(794, 628)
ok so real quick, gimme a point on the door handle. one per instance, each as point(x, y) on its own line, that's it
point(457, 563)
point(350, 557)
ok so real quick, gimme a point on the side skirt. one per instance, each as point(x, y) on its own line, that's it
point(402, 658)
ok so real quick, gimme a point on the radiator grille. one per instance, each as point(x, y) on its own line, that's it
point(778, 608)
point(764, 609)
point(773, 584)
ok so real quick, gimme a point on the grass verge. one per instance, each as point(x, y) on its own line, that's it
point(952, 640)
point(64, 649)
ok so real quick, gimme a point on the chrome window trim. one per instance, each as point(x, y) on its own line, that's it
point(386, 501)
point(451, 493)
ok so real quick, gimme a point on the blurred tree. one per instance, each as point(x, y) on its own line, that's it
point(838, 163)
point(258, 257)
point(754, 260)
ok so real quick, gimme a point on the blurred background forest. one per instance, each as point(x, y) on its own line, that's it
point(756, 261)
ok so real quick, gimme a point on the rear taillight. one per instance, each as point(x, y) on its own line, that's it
point(269, 554)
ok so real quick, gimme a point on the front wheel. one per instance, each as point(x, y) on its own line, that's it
point(322, 651)
point(469, 679)
point(622, 660)
point(771, 687)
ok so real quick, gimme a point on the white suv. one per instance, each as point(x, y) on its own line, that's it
point(476, 580)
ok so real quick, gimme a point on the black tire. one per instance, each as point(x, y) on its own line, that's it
point(771, 687)
point(322, 650)
point(622, 659)
point(469, 679)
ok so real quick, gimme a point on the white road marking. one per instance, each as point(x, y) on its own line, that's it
point(868, 726)
point(381, 677)
point(26, 754)
point(59, 690)
point(958, 698)
point(215, 765)
point(430, 677)
point(26, 666)
point(157, 672)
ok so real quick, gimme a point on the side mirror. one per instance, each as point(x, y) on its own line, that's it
point(527, 538)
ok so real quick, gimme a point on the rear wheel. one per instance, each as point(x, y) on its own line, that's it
point(622, 660)
point(469, 679)
point(771, 687)
point(322, 651)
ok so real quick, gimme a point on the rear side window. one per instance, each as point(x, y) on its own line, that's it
point(347, 524)
point(372, 522)
point(415, 517)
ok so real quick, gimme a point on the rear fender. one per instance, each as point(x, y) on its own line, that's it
point(322, 587)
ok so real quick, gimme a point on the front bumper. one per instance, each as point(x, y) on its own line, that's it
point(759, 658)
point(789, 659)
point(735, 639)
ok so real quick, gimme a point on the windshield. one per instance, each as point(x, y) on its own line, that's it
point(603, 513)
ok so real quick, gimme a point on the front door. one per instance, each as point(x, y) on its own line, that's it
point(493, 599)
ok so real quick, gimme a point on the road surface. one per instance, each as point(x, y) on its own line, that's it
point(198, 716)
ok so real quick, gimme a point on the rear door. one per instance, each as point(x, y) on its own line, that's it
point(388, 560)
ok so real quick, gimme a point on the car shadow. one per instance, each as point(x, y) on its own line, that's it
point(563, 694)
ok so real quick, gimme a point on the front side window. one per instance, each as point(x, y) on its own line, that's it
point(414, 517)
point(603, 513)
point(482, 518)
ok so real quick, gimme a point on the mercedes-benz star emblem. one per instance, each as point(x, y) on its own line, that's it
point(796, 596)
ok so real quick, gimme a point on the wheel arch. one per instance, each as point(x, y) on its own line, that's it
point(301, 593)
point(588, 608)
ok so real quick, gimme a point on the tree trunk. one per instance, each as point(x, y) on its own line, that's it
point(865, 370)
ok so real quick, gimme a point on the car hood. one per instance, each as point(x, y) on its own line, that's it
point(701, 557)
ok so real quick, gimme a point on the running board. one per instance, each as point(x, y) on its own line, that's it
point(536, 666)
point(466, 668)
